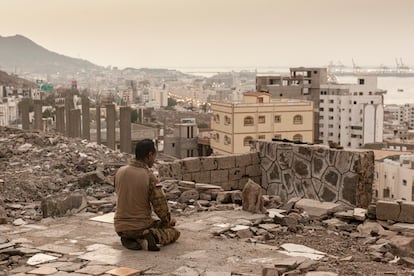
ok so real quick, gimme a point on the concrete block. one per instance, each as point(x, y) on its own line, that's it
point(236, 173)
point(191, 164)
point(186, 177)
point(407, 212)
point(243, 160)
point(255, 158)
point(388, 210)
point(201, 177)
point(208, 164)
point(226, 162)
point(253, 170)
point(219, 176)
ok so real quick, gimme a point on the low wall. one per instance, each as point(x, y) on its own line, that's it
point(230, 171)
point(287, 170)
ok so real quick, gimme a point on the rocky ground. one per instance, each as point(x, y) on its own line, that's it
point(40, 171)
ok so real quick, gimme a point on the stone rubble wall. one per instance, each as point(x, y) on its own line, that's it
point(231, 172)
point(287, 170)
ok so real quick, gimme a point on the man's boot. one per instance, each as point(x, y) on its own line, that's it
point(152, 242)
point(130, 244)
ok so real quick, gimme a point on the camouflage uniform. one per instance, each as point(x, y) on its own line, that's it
point(162, 229)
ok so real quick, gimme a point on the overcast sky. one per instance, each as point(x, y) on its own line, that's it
point(216, 33)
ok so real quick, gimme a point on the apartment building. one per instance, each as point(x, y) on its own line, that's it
point(347, 114)
point(184, 142)
point(258, 116)
point(351, 115)
point(394, 178)
point(404, 114)
point(8, 107)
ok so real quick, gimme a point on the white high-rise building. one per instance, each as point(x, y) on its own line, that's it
point(351, 115)
point(8, 111)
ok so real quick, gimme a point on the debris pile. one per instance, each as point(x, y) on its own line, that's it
point(35, 165)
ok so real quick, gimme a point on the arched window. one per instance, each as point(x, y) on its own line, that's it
point(298, 120)
point(247, 141)
point(227, 120)
point(297, 138)
point(248, 121)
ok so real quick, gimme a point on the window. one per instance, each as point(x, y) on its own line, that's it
point(260, 99)
point(297, 138)
point(321, 133)
point(262, 119)
point(386, 193)
point(217, 118)
point(361, 81)
point(331, 109)
point(247, 141)
point(262, 137)
point(227, 120)
point(331, 101)
point(297, 120)
point(248, 121)
point(278, 119)
point(227, 140)
point(361, 93)
point(277, 136)
point(321, 100)
point(321, 109)
point(404, 182)
point(355, 102)
point(216, 137)
point(331, 134)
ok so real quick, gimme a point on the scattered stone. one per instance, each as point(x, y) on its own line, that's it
point(368, 227)
point(402, 245)
point(388, 210)
point(40, 258)
point(321, 273)
point(360, 214)
point(298, 250)
point(347, 215)
point(43, 270)
point(63, 204)
point(189, 195)
point(185, 271)
point(94, 269)
point(123, 271)
point(408, 261)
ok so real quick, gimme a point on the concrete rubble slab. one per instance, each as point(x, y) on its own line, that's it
point(317, 209)
point(298, 250)
point(123, 271)
point(58, 248)
point(105, 255)
point(360, 214)
point(185, 271)
point(239, 227)
point(403, 227)
point(107, 218)
point(276, 213)
point(95, 269)
point(40, 258)
point(43, 270)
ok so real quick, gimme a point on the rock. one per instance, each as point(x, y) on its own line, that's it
point(244, 234)
point(189, 195)
point(369, 227)
point(252, 198)
point(290, 204)
point(402, 245)
point(347, 215)
point(292, 249)
point(360, 214)
point(317, 209)
point(271, 271)
point(3, 215)
point(403, 227)
point(372, 211)
point(90, 178)
point(321, 273)
point(288, 221)
point(63, 204)
point(185, 271)
point(19, 222)
point(227, 196)
point(409, 262)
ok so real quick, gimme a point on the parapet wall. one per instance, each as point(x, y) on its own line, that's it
point(287, 170)
point(230, 172)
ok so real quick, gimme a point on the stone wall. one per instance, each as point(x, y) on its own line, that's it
point(287, 170)
point(316, 172)
point(230, 172)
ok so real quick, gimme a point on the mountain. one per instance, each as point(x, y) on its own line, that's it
point(14, 81)
point(18, 53)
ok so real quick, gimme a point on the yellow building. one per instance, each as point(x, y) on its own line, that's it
point(235, 125)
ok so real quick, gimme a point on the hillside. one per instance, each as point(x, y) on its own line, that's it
point(14, 81)
point(20, 53)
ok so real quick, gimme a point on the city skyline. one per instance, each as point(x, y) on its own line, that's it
point(195, 33)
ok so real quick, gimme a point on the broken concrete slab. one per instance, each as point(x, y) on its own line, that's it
point(40, 258)
point(43, 270)
point(185, 271)
point(298, 250)
point(318, 210)
point(63, 204)
point(124, 271)
point(360, 214)
point(107, 218)
point(402, 227)
point(95, 269)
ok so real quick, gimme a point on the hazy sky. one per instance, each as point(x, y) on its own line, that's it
point(182, 33)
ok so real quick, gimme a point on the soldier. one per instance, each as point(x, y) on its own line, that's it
point(137, 189)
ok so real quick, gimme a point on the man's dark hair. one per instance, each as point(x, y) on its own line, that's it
point(143, 149)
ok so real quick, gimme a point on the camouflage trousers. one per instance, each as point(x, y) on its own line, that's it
point(163, 235)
